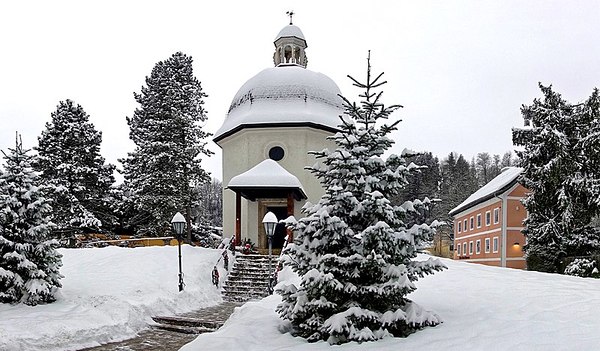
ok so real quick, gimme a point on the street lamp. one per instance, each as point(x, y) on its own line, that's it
point(270, 221)
point(178, 224)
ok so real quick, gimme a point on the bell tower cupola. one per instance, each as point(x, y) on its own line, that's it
point(290, 46)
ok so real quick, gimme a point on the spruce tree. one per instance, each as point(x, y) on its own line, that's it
point(354, 250)
point(165, 166)
point(29, 262)
point(69, 160)
point(559, 155)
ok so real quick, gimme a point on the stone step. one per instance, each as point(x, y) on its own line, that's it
point(249, 272)
point(251, 257)
point(233, 291)
point(248, 277)
point(184, 329)
point(251, 265)
point(257, 292)
point(237, 298)
point(186, 322)
point(246, 282)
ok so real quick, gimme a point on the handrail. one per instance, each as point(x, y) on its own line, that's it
point(225, 258)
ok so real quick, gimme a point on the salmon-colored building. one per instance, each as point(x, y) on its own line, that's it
point(488, 224)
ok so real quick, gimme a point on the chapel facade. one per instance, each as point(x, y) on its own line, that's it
point(274, 120)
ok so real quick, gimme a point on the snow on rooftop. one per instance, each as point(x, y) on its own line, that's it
point(285, 94)
point(268, 173)
point(506, 177)
point(290, 31)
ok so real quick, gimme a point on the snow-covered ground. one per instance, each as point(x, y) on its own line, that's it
point(484, 308)
point(111, 293)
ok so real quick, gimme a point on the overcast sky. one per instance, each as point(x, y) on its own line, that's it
point(462, 69)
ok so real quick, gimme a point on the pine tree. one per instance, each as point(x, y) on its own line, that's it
point(560, 160)
point(209, 210)
point(69, 160)
point(507, 160)
point(29, 262)
point(423, 183)
point(165, 167)
point(354, 250)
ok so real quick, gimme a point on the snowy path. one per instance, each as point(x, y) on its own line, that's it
point(157, 340)
point(110, 294)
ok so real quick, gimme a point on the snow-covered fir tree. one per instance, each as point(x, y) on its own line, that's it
point(29, 262)
point(355, 251)
point(209, 210)
point(69, 160)
point(561, 160)
point(165, 166)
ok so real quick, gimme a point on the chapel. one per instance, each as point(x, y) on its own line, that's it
point(274, 120)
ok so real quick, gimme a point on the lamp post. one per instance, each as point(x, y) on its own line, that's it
point(270, 221)
point(178, 224)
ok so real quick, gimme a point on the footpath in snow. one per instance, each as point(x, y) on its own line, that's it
point(109, 294)
point(483, 308)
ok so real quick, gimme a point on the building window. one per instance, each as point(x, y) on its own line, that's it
point(472, 220)
point(487, 245)
point(479, 220)
point(276, 153)
point(478, 247)
point(458, 249)
point(465, 225)
point(465, 248)
point(495, 246)
point(496, 215)
point(459, 226)
point(488, 218)
point(470, 247)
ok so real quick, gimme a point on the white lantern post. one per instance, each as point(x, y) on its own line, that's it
point(270, 221)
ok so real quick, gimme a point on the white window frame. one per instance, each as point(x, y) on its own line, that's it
point(487, 245)
point(460, 226)
point(478, 246)
point(488, 218)
point(472, 223)
point(497, 215)
point(458, 249)
point(470, 247)
point(465, 248)
point(465, 225)
point(495, 245)
point(479, 220)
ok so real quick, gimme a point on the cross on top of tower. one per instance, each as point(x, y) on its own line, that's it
point(290, 13)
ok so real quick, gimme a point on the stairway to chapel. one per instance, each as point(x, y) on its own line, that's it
point(248, 278)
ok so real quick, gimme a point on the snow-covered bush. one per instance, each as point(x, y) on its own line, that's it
point(583, 267)
point(29, 262)
point(354, 250)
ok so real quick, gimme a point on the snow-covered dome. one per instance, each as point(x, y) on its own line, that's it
point(284, 95)
point(290, 31)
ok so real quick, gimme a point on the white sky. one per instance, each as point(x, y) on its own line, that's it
point(462, 69)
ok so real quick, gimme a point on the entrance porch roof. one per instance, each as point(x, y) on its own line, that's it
point(267, 179)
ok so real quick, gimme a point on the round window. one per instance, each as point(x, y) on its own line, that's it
point(276, 153)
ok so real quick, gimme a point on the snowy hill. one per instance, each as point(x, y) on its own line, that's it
point(111, 293)
point(483, 308)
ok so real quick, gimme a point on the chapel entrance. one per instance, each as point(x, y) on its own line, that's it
point(280, 209)
point(280, 230)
